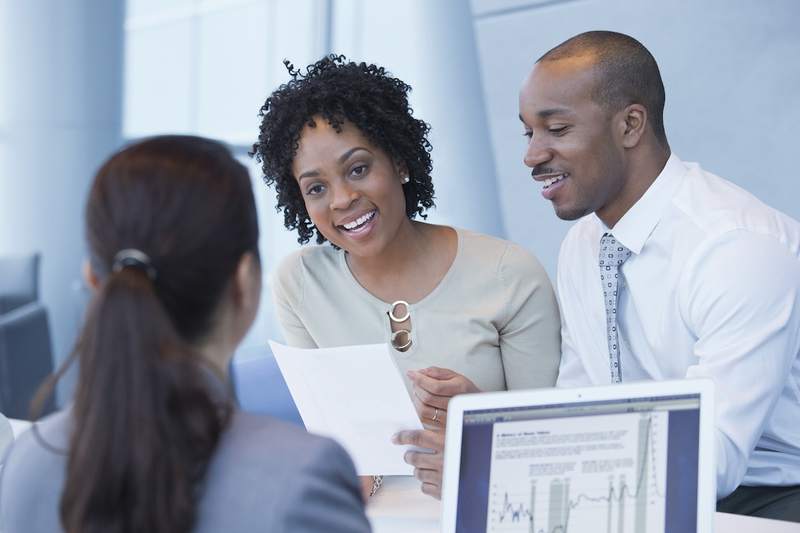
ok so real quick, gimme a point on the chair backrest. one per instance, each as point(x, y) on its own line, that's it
point(260, 387)
point(26, 359)
point(19, 281)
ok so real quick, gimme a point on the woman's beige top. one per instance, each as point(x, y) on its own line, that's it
point(493, 317)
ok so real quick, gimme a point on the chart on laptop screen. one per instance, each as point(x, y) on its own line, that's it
point(583, 473)
point(612, 466)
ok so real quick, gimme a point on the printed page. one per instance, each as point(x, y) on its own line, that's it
point(353, 394)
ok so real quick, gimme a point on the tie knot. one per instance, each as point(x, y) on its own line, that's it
point(612, 252)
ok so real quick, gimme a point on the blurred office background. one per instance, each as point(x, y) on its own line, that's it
point(79, 78)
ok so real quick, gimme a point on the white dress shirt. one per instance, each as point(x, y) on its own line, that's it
point(712, 290)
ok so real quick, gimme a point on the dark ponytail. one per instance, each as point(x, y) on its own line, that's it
point(148, 414)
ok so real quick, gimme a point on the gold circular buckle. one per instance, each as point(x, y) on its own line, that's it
point(396, 342)
point(403, 318)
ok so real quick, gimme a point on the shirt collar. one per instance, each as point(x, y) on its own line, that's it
point(636, 226)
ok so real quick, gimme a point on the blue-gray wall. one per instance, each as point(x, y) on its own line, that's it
point(731, 72)
point(61, 71)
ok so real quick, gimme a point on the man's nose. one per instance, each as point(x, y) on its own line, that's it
point(536, 153)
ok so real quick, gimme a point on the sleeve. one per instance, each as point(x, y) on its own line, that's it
point(571, 372)
point(529, 334)
point(326, 495)
point(286, 285)
point(741, 298)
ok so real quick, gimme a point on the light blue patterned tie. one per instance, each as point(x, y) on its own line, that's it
point(612, 255)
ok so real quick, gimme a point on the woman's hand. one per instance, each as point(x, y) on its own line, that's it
point(433, 388)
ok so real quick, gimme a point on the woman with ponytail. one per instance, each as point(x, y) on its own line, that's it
point(153, 441)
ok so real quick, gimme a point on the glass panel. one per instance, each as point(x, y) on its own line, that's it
point(159, 86)
point(296, 36)
point(140, 10)
point(232, 78)
point(206, 66)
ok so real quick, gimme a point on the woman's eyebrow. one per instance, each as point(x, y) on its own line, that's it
point(344, 156)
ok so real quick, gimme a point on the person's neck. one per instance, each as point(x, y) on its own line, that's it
point(217, 356)
point(643, 169)
point(408, 246)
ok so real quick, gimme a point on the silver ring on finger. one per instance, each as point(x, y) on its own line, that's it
point(435, 416)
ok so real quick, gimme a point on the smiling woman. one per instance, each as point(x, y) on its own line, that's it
point(465, 312)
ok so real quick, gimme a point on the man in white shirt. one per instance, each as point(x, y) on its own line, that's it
point(670, 271)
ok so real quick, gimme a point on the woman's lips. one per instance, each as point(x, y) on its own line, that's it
point(363, 231)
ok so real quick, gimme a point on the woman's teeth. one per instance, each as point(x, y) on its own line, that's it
point(360, 221)
point(550, 181)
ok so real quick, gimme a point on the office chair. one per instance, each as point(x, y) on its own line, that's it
point(26, 357)
point(260, 387)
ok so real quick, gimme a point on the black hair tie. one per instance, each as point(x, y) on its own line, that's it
point(133, 258)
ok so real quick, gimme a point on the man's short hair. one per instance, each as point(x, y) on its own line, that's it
point(628, 73)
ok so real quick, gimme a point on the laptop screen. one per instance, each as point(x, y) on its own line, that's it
point(616, 466)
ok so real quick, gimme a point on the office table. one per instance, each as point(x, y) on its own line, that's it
point(400, 507)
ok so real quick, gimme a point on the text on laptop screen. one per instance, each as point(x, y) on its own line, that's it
point(620, 466)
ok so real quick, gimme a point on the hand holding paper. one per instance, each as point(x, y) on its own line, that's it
point(354, 394)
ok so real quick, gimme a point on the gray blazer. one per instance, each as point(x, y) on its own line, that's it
point(266, 476)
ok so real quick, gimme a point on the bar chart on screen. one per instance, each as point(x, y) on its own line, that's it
point(566, 475)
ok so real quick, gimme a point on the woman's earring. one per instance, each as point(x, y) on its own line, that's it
point(405, 179)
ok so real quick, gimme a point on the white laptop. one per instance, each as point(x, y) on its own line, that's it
point(628, 458)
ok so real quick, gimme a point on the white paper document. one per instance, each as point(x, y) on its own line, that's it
point(355, 395)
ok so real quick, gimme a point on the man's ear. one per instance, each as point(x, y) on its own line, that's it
point(89, 277)
point(633, 121)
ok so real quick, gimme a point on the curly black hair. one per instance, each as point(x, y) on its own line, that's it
point(341, 91)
